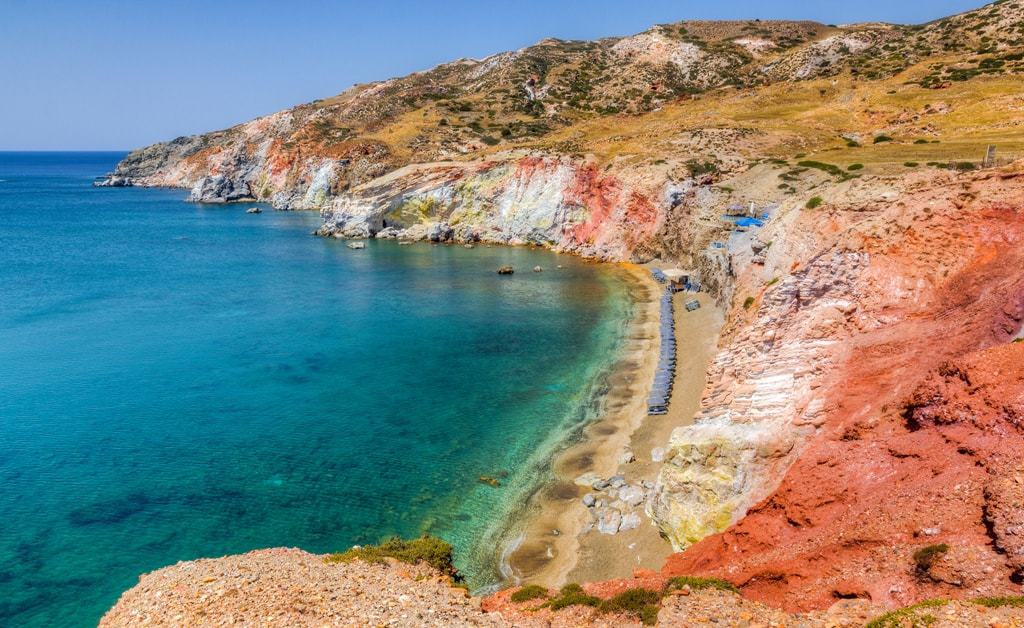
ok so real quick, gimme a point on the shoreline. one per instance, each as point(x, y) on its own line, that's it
point(557, 542)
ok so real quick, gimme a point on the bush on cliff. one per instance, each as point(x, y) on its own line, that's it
point(426, 549)
point(573, 595)
point(697, 583)
point(529, 592)
point(927, 556)
point(640, 603)
point(815, 202)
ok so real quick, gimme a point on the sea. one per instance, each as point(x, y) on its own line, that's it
point(180, 380)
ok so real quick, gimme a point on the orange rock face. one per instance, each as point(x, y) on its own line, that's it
point(924, 418)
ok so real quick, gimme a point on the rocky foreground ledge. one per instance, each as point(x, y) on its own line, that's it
point(290, 587)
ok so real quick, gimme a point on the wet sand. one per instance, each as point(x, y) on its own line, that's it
point(555, 548)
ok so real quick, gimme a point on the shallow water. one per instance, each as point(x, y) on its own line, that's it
point(181, 380)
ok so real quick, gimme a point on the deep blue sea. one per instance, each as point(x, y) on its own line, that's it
point(182, 380)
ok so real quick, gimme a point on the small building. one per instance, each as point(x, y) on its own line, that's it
point(678, 279)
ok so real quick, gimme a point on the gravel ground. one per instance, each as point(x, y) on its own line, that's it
point(290, 587)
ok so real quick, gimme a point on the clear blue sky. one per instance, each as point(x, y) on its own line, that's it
point(81, 75)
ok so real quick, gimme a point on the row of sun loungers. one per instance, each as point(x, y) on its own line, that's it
point(661, 390)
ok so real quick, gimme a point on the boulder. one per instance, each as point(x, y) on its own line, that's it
point(388, 233)
point(440, 232)
point(658, 454)
point(608, 521)
point(506, 270)
point(631, 495)
point(219, 189)
point(589, 500)
point(630, 521)
point(587, 479)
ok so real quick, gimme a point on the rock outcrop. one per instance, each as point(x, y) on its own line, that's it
point(879, 413)
point(563, 203)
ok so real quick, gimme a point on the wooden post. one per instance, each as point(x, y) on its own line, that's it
point(990, 157)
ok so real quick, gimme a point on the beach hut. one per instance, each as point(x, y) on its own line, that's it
point(678, 279)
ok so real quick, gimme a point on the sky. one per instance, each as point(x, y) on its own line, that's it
point(116, 75)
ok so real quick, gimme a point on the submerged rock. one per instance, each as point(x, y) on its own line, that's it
point(254, 210)
point(357, 245)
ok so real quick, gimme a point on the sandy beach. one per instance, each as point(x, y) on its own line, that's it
point(559, 544)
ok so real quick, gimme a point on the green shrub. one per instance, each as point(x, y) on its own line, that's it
point(640, 603)
point(925, 557)
point(820, 165)
point(815, 202)
point(774, 281)
point(748, 302)
point(529, 592)
point(921, 141)
point(572, 595)
point(999, 602)
point(852, 144)
point(855, 167)
point(427, 549)
point(882, 138)
point(964, 165)
point(698, 168)
point(697, 583)
point(910, 164)
point(900, 617)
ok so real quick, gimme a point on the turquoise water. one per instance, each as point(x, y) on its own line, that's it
point(182, 380)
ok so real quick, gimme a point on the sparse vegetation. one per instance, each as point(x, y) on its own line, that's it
point(697, 583)
point(910, 164)
point(748, 302)
point(426, 549)
point(855, 167)
point(814, 202)
point(1000, 602)
point(907, 616)
point(879, 139)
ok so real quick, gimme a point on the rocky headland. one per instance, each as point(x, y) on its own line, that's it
point(852, 201)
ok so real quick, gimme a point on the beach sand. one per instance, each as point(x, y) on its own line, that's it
point(554, 548)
